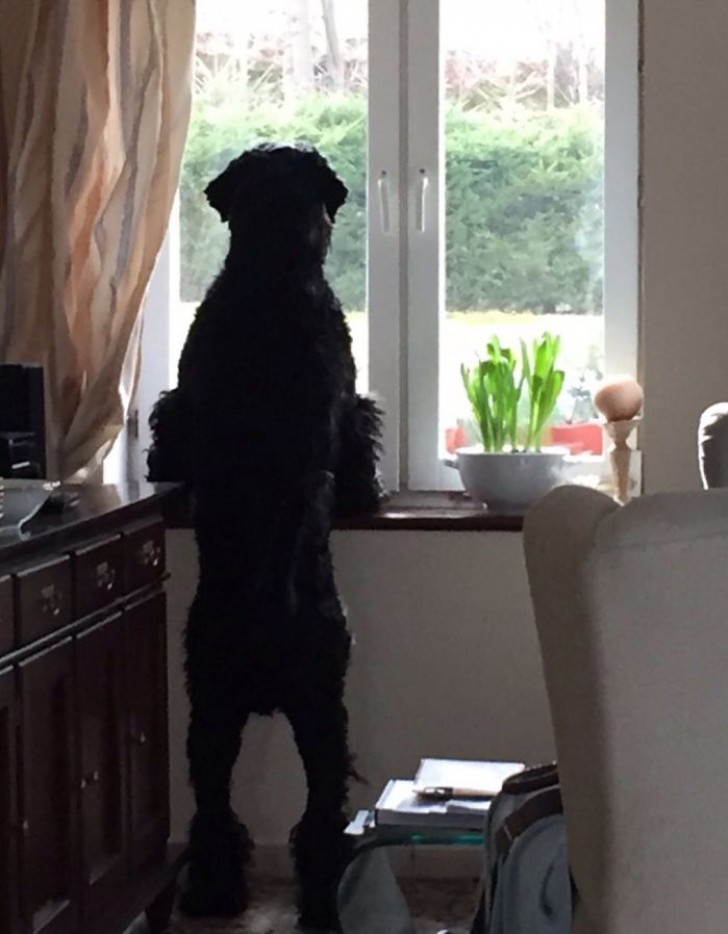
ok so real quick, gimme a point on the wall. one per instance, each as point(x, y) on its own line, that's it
point(685, 230)
point(445, 663)
point(446, 660)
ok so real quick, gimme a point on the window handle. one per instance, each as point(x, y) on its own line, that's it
point(384, 212)
point(424, 184)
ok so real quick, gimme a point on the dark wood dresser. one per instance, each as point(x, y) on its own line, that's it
point(84, 771)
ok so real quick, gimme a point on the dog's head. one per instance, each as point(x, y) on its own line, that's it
point(275, 187)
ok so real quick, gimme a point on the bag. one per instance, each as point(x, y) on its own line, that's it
point(527, 885)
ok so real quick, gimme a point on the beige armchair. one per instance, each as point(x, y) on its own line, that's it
point(631, 607)
point(713, 446)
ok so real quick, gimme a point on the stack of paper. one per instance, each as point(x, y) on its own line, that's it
point(447, 793)
point(400, 805)
point(462, 778)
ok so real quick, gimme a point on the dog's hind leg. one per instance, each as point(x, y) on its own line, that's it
point(219, 844)
point(320, 848)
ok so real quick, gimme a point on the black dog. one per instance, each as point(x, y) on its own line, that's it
point(266, 428)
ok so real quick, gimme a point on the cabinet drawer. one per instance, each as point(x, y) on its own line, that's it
point(98, 575)
point(144, 554)
point(43, 599)
point(7, 631)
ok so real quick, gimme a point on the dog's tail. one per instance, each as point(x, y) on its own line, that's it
point(168, 457)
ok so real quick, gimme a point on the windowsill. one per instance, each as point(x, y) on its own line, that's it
point(434, 512)
point(408, 511)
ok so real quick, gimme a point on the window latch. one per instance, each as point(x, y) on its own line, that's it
point(422, 202)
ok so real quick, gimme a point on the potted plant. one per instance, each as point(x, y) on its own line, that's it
point(511, 406)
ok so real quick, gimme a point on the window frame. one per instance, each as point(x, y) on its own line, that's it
point(425, 468)
point(406, 264)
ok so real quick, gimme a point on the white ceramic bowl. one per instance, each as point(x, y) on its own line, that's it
point(511, 482)
point(20, 500)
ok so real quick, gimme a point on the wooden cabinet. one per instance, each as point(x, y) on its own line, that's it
point(9, 813)
point(102, 717)
point(84, 763)
point(98, 574)
point(7, 634)
point(47, 794)
point(43, 598)
point(146, 641)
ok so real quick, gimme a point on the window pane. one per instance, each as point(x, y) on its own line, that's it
point(524, 127)
point(278, 70)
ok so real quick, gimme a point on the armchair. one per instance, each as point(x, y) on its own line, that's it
point(713, 446)
point(631, 607)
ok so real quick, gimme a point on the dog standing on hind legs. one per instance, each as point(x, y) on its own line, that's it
point(266, 428)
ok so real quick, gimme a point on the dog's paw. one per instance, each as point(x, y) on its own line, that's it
point(318, 919)
point(201, 901)
point(216, 884)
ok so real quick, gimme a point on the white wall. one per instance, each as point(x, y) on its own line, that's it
point(685, 230)
point(446, 660)
point(445, 663)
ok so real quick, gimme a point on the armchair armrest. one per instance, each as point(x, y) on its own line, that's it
point(713, 446)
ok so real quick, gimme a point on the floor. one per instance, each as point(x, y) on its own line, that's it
point(434, 905)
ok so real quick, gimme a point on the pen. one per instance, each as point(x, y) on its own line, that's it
point(438, 792)
point(442, 791)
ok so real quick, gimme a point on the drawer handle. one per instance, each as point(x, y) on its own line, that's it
point(141, 739)
point(91, 779)
point(105, 576)
point(150, 555)
point(51, 601)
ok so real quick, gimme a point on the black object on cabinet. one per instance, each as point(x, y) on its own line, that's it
point(22, 421)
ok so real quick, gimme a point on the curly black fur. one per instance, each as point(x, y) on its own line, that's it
point(266, 428)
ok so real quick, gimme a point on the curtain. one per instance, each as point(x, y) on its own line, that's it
point(94, 107)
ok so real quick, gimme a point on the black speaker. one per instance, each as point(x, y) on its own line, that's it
point(22, 421)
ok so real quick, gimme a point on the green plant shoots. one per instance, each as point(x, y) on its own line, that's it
point(494, 388)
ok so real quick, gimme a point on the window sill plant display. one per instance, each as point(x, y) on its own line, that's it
point(512, 397)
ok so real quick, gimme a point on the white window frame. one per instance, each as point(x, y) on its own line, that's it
point(405, 238)
point(158, 371)
point(385, 229)
point(426, 249)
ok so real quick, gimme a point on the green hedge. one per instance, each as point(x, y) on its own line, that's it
point(524, 210)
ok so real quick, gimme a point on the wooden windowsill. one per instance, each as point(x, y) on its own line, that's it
point(432, 511)
point(421, 512)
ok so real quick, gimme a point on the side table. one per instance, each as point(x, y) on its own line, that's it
point(370, 900)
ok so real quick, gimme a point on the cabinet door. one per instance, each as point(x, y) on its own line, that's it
point(7, 622)
point(102, 769)
point(9, 818)
point(48, 796)
point(146, 645)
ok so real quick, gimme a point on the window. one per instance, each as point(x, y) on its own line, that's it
point(490, 148)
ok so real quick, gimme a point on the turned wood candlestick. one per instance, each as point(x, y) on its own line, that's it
point(620, 455)
point(620, 399)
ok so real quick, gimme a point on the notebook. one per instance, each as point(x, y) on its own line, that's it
point(400, 805)
point(462, 778)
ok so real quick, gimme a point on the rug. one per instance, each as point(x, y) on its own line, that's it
point(434, 905)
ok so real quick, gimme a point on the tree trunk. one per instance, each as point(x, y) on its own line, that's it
point(551, 76)
point(299, 74)
point(242, 52)
point(335, 60)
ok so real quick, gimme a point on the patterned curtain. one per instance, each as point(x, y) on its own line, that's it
point(94, 107)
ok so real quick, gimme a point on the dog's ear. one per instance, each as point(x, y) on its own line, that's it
point(334, 192)
point(221, 191)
